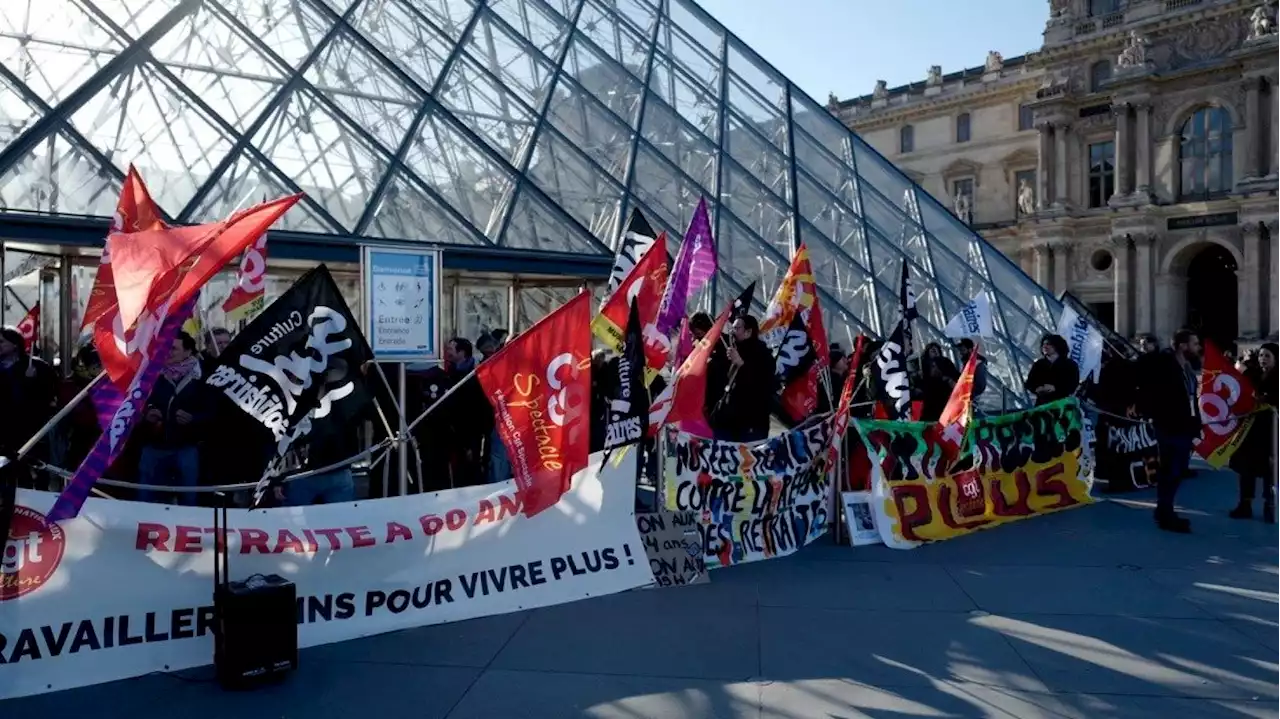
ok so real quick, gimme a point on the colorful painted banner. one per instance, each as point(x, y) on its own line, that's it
point(754, 501)
point(1017, 465)
point(125, 589)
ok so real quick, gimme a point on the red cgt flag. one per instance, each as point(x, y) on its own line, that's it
point(540, 387)
point(156, 269)
point(1226, 403)
point(645, 284)
point(251, 282)
point(798, 292)
point(959, 410)
point(689, 388)
point(29, 327)
point(135, 211)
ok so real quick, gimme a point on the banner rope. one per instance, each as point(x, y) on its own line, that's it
point(1142, 420)
point(64, 474)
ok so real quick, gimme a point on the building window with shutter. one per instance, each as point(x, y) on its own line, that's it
point(962, 127)
point(906, 139)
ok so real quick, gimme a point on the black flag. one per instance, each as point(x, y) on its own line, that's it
point(635, 241)
point(796, 353)
point(907, 307)
point(629, 409)
point(742, 303)
point(892, 383)
point(294, 376)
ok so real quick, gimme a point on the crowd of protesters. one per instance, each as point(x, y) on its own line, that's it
point(458, 443)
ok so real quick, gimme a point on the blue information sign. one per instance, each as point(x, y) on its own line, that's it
point(402, 303)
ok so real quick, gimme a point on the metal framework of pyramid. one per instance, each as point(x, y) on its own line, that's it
point(534, 124)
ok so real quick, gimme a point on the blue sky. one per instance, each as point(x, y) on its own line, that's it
point(844, 46)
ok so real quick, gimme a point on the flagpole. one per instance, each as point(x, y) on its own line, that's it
point(40, 434)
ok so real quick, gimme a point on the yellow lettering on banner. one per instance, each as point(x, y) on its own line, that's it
point(529, 382)
point(953, 505)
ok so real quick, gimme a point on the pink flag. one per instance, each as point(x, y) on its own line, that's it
point(685, 344)
point(695, 265)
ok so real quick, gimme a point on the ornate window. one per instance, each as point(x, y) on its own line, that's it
point(906, 139)
point(1102, 173)
point(1099, 72)
point(1204, 156)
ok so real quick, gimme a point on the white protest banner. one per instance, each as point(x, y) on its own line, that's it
point(1084, 342)
point(125, 588)
point(754, 501)
point(973, 320)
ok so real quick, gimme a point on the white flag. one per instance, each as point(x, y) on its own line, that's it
point(1084, 342)
point(973, 320)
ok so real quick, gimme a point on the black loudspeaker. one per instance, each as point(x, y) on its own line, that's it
point(255, 624)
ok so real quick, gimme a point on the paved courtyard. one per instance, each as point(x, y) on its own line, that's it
point(1091, 613)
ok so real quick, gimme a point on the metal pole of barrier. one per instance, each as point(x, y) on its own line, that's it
point(1275, 456)
point(403, 449)
point(62, 413)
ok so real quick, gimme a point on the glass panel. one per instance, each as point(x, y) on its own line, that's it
point(366, 89)
point(58, 177)
point(1021, 290)
point(848, 284)
point(755, 90)
point(591, 128)
point(615, 87)
point(466, 177)
point(671, 196)
point(403, 36)
point(688, 80)
point(709, 35)
point(534, 303)
point(545, 30)
point(134, 16)
point(764, 213)
point(616, 39)
point(686, 148)
point(535, 225)
point(506, 56)
point(877, 172)
point(220, 66)
point(53, 47)
point(568, 178)
point(743, 256)
point(405, 212)
point(480, 308)
point(836, 176)
point(831, 220)
point(758, 156)
point(641, 14)
point(449, 16)
point(140, 118)
point(489, 109)
point(323, 154)
point(291, 35)
point(945, 230)
point(16, 114)
point(248, 181)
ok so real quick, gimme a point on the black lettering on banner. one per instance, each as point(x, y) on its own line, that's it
point(94, 634)
point(1038, 435)
point(673, 545)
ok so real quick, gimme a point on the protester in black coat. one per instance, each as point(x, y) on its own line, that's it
point(28, 390)
point(1254, 460)
point(741, 413)
point(1165, 391)
point(938, 376)
point(175, 421)
point(1055, 375)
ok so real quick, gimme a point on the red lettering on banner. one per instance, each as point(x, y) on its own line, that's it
point(396, 530)
point(485, 514)
point(151, 536)
point(920, 516)
point(431, 525)
point(188, 539)
point(333, 535)
point(361, 537)
point(455, 519)
point(288, 540)
point(1000, 505)
point(251, 539)
point(1047, 484)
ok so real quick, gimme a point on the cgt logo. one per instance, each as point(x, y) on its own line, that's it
point(32, 554)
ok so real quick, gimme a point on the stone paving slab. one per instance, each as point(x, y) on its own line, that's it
point(1083, 614)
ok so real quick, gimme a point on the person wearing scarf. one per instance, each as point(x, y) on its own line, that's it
point(173, 423)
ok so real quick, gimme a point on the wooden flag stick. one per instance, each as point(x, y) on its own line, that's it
point(55, 419)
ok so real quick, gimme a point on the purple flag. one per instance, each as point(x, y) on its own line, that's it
point(695, 264)
point(125, 413)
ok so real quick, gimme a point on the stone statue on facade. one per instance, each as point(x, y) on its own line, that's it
point(1026, 198)
point(1059, 8)
point(961, 207)
point(1134, 54)
point(833, 102)
point(882, 90)
point(995, 61)
point(1261, 24)
point(935, 76)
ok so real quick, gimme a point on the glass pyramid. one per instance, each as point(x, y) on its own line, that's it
point(534, 124)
